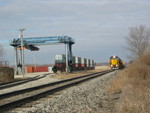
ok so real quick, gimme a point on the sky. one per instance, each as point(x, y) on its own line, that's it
point(99, 27)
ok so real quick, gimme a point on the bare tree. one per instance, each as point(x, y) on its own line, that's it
point(138, 40)
point(1, 53)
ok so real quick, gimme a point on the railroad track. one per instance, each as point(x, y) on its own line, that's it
point(18, 82)
point(16, 98)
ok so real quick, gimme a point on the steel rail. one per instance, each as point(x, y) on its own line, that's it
point(18, 82)
point(43, 90)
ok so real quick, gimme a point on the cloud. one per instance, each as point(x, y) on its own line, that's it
point(93, 24)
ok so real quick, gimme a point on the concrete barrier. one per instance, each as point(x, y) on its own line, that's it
point(6, 74)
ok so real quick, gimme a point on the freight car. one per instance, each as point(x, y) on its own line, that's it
point(60, 63)
point(116, 63)
point(78, 63)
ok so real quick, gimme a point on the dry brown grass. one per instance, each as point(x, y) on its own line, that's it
point(80, 73)
point(134, 99)
point(134, 83)
point(145, 58)
point(117, 83)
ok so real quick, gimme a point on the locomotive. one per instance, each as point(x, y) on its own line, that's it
point(116, 63)
point(78, 63)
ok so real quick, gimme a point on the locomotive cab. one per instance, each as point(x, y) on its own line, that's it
point(115, 62)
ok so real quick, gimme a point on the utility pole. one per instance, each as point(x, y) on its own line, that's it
point(67, 67)
point(22, 49)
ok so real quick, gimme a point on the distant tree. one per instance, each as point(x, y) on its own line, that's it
point(138, 41)
point(1, 53)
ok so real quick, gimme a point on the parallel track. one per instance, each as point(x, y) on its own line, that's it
point(15, 83)
point(13, 99)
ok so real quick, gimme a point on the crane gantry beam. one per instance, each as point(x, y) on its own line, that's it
point(33, 42)
point(36, 41)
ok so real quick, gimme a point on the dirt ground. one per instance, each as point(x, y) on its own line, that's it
point(80, 73)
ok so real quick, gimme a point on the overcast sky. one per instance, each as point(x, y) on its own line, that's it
point(99, 27)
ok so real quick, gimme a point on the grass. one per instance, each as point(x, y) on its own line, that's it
point(80, 73)
point(134, 85)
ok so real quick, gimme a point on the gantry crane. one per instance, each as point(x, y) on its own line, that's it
point(32, 43)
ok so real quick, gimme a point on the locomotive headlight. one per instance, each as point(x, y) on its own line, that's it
point(111, 65)
point(116, 65)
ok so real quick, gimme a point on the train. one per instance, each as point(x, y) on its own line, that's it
point(78, 63)
point(116, 63)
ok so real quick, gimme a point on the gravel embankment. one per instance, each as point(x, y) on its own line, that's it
point(88, 97)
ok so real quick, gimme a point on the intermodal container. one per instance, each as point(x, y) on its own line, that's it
point(78, 63)
point(73, 59)
point(73, 63)
point(60, 58)
point(83, 63)
point(92, 64)
point(77, 60)
point(40, 69)
point(88, 63)
point(29, 69)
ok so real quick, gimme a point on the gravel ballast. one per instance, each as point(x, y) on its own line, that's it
point(88, 97)
point(45, 80)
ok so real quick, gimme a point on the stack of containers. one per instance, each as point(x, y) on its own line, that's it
point(60, 61)
point(83, 63)
point(77, 63)
point(73, 63)
point(88, 64)
point(92, 66)
point(60, 58)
